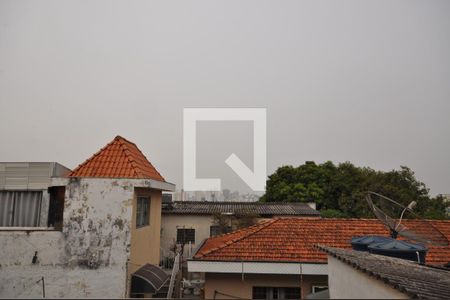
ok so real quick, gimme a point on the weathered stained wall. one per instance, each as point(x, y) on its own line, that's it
point(88, 258)
point(345, 282)
point(97, 216)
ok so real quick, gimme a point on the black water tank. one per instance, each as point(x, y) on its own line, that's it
point(361, 243)
point(400, 249)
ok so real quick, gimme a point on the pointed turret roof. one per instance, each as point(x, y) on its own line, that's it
point(118, 159)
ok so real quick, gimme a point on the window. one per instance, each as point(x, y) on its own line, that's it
point(292, 293)
point(56, 207)
point(259, 292)
point(143, 211)
point(276, 293)
point(319, 288)
point(215, 230)
point(185, 235)
point(20, 208)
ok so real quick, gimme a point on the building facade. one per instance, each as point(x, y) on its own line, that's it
point(192, 222)
point(280, 256)
point(109, 228)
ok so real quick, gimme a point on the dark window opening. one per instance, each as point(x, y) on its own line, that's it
point(56, 207)
point(143, 211)
point(259, 292)
point(292, 293)
point(185, 235)
point(274, 293)
point(270, 293)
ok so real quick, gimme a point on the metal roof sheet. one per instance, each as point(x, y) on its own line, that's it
point(256, 208)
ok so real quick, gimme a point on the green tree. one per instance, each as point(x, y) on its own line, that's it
point(339, 190)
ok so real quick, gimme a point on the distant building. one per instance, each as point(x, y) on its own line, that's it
point(446, 198)
point(179, 196)
point(219, 196)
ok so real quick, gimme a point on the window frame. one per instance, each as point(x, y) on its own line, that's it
point(142, 221)
point(187, 239)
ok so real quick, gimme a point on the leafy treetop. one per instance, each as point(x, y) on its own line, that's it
point(339, 190)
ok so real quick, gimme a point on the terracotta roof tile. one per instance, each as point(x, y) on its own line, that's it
point(294, 239)
point(118, 159)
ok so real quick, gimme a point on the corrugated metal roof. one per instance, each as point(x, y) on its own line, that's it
point(29, 175)
point(257, 208)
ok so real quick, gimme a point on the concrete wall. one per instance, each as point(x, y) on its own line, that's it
point(235, 285)
point(345, 282)
point(88, 258)
point(97, 216)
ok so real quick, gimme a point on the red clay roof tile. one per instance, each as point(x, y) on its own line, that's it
point(294, 239)
point(118, 159)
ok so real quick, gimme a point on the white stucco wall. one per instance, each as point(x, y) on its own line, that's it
point(88, 258)
point(345, 282)
point(170, 223)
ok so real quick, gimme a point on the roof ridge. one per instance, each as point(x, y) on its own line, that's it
point(258, 228)
point(124, 147)
point(119, 137)
point(119, 158)
point(148, 161)
point(92, 157)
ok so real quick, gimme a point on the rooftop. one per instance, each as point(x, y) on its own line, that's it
point(294, 240)
point(410, 278)
point(118, 159)
point(255, 208)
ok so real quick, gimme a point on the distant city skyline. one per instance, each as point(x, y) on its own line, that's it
point(223, 195)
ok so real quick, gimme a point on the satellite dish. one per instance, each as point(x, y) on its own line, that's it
point(417, 229)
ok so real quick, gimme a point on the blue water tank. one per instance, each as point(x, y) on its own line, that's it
point(361, 243)
point(400, 249)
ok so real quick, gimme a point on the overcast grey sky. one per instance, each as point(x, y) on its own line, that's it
point(360, 81)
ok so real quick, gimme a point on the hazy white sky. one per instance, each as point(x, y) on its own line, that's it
point(360, 81)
